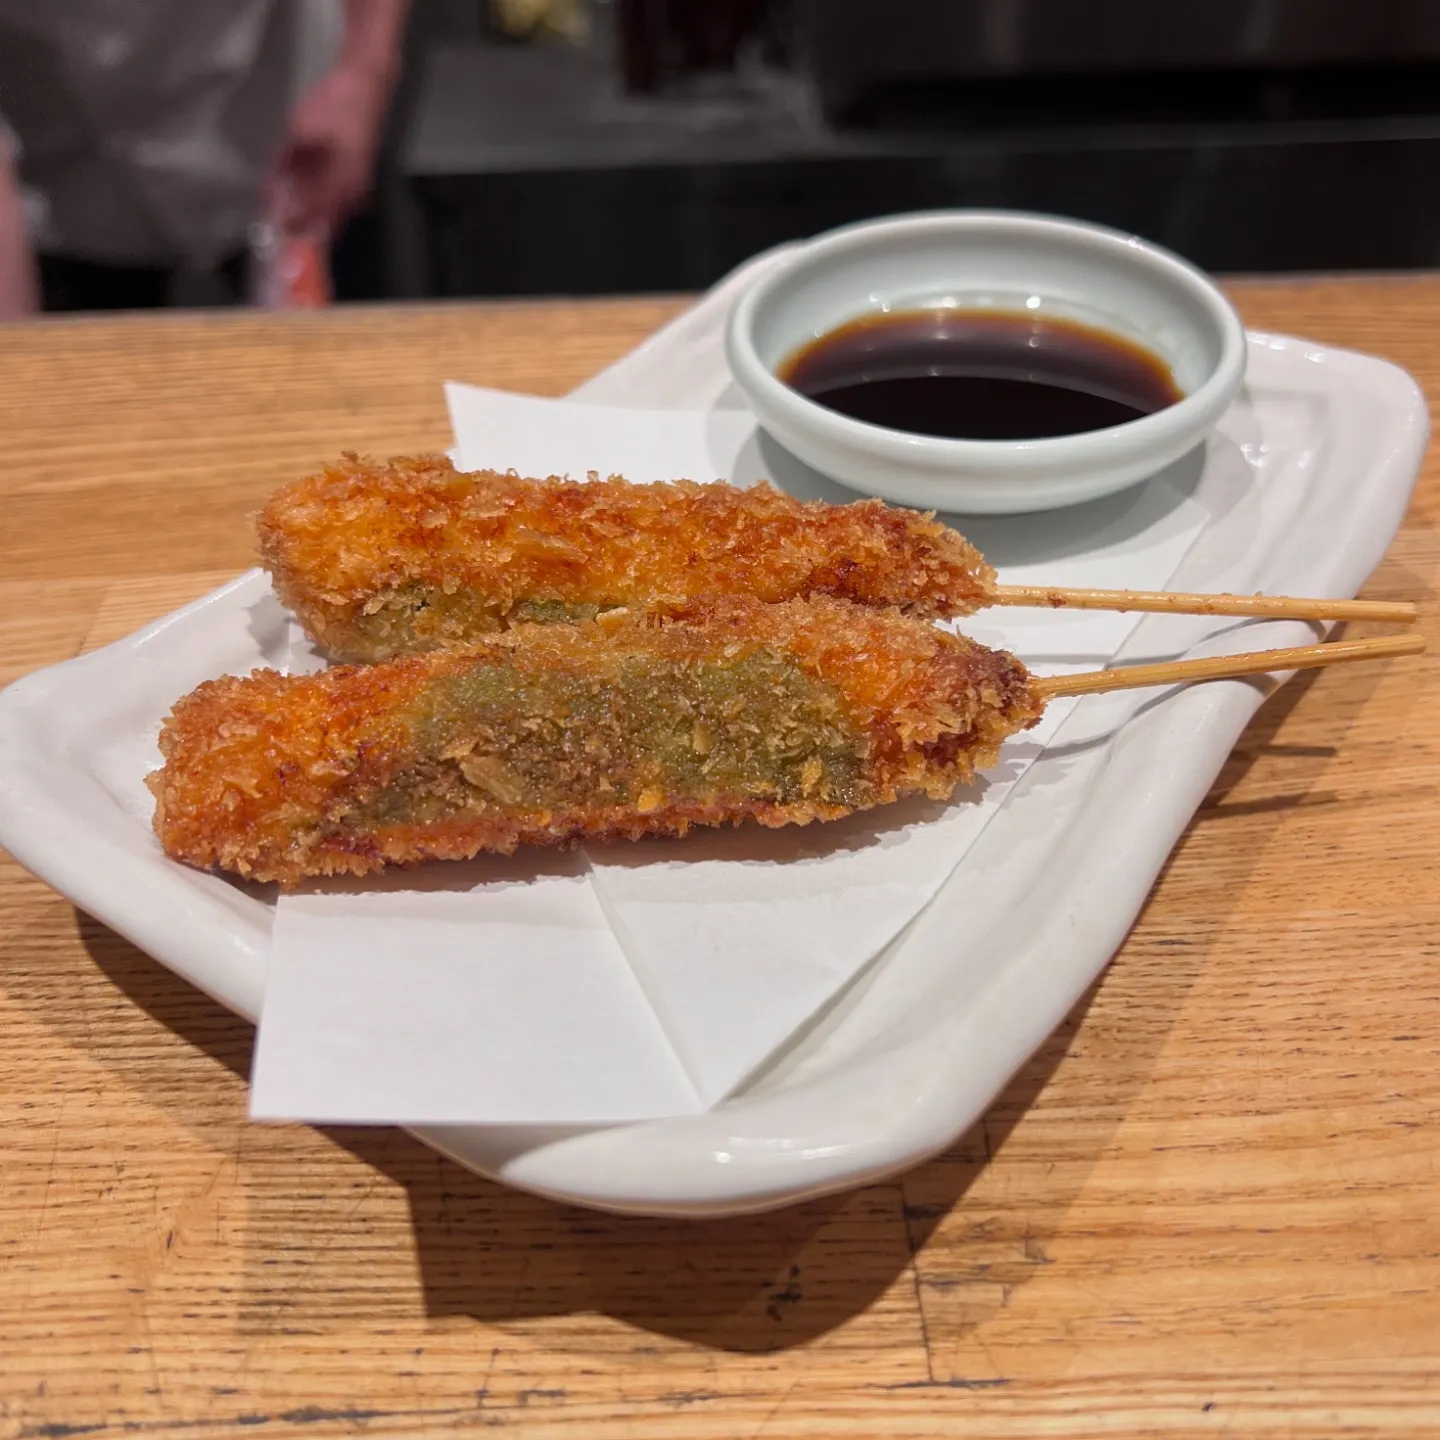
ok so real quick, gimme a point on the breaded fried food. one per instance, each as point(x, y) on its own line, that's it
point(634, 724)
point(385, 560)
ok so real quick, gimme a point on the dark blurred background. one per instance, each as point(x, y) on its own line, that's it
point(668, 140)
point(594, 146)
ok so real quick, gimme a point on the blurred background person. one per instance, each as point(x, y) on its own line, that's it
point(147, 137)
point(19, 290)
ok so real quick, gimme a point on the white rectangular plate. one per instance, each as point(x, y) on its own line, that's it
point(1306, 483)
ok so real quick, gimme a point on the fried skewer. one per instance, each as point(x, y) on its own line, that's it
point(386, 560)
point(628, 726)
point(625, 726)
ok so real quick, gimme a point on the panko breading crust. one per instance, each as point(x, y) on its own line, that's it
point(266, 775)
point(382, 560)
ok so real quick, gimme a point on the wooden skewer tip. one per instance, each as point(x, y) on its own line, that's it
point(1277, 607)
point(1226, 667)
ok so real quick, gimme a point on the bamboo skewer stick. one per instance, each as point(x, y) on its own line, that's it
point(1223, 667)
point(1281, 607)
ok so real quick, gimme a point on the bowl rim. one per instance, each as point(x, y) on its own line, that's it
point(767, 391)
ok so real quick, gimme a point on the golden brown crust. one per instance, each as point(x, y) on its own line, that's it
point(379, 560)
point(273, 777)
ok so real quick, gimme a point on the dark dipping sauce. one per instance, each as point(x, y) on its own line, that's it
point(980, 374)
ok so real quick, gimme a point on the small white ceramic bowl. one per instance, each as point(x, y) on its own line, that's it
point(977, 259)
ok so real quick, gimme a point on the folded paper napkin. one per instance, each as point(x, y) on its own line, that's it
point(635, 981)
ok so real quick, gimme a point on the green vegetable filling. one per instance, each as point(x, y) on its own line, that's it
point(423, 617)
point(650, 733)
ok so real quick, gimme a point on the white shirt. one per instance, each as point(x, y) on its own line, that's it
point(146, 127)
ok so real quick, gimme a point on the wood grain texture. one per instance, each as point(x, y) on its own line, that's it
point(1209, 1206)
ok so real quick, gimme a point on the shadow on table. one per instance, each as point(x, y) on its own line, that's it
point(750, 1285)
point(753, 1284)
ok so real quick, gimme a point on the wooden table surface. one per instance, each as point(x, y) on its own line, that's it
point(1210, 1205)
